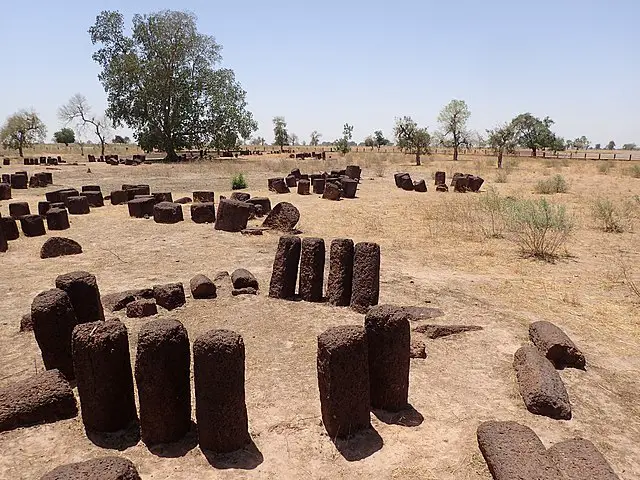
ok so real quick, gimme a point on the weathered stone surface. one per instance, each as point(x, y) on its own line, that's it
point(263, 202)
point(579, 459)
point(18, 210)
point(53, 321)
point(169, 296)
point(203, 212)
point(163, 197)
point(94, 198)
point(284, 217)
point(60, 246)
point(204, 196)
point(78, 205)
point(318, 186)
point(310, 287)
point(103, 373)
point(118, 197)
point(167, 212)
point(440, 178)
point(340, 272)
point(141, 207)
point(221, 411)
point(91, 188)
point(183, 200)
point(43, 208)
point(331, 191)
point(253, 231)
point(291, 181)
point(232, 215)
point(405, 182)
point(106, 468)
point(304, 187)
point(437, 331)
point(202, 287)
point(389, 342)
point(57, 219)
point(420, 186)
point(285, 268)
point(278, 185)
point(353, 171)
point(5, 191)
point(418, 349)
point(540, 385)
point(366, 276)
point(119, 301)
point(82, 288)
point(514, 452)
point(4, 243)
point(554, 344)
point(144, 307)
point(163, 361)
point(240, 196)
point(242, 278)
point(32, 225)
point(244, 291)
point(10, 228)
point(43, 398)
point(26, 323)
point(343, 380)
point(397, 177)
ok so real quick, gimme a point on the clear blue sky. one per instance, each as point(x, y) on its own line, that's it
point(365, 62)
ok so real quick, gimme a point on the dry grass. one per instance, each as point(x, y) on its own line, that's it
point(433, 250)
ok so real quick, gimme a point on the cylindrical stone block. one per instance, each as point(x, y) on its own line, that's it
point(19, 209)
point(162, 376)
point(118, 197)
point(343, 380)
point(285, 268)
point(163, 197)
point(389, 340)
point(10, 228)
point(53, 321)
point(78, 205)
point(203, 212)
point(103, 374)
point(318, 186)
point(141, 207)
point(221, 411)
point(57, 219)
point(43, 208)
point(33, 225)
point(83, 292)
point(340, 272)
point(19, 181)
point(167, 212)
point(303, 187)
point(4, 245)
point(366, 276)
point(91, 188)
point(311, 269)
point(349, 188)
point(204, 197)
point(94, 198)
point(5, 191)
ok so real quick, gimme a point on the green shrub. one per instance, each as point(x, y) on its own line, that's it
point(609, 216)
point(238, 182)
point(555, 184)
point(493, 210)
point(540, 228)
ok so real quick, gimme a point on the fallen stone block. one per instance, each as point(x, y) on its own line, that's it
point(554, 344)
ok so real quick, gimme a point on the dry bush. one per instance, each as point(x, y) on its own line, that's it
point(502, 176)
point(604, 167)
point(611, 216)
point(493, 209)
point(634, 171)
point(556, 184)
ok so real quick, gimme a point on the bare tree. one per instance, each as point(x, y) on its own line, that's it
point(410, 138)
point(453, 124)
point(78, 110)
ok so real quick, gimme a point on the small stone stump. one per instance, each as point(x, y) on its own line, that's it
point(291, 181)
point(19, 182)
point(349, 188)
point(440, 178)
point(118, 197)
point(169, 296)
point(304, 187)
point(18, 210)
point(221, 411)
point(202, 287)
point(43, 208)
point(32, 225)
point(285, 268)
point(163, 361)
point(389, 340)
point(4, 244)
point(10, 228)
point(343, 380)
point(284, 217)
point(53, 321)
point(103, 373)
point(106, 468)
point(204, 197)
point(78, 205)
point(240, 196)
point(318, 186)
point(57, 219)
point(366, 276)
point(331, 191)
point(82, 288)
point(59, 246)
point(242, 278)
point(232, 215)
point(204, 212)
point(94, 198)
point(420, 186)
point(263, 202)
point(278, 185)
point(167, 212)
point(91, 188)
point(353, 171)
point(406, 183)
point(5, 191)
point(311, 269)
point(340, 272)
point(141, 308)
point(141, 207)
point(163, 197)
point(579, 459)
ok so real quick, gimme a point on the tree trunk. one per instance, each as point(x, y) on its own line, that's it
point(535, 151)
point(418, 158)
point(102, 148)
point(20, 149)
point(455, 152)
point(172, 156)
point(499, 159)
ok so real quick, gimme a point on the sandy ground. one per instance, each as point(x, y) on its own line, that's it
point(433, 253)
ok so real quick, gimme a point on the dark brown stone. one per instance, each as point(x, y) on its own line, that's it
point(418, 349)
point(285, 268)
point(163, 197)
point(221, 411)
point(540, 385)
point(163, 361)
point(420, 186)
point(26, 323)
point(204, 197)
point(167, 212)
point(353, 171)
point(264, 202)
point(304, 187)
point(291, 181)
point(4, 244)
point(204, 212)
point(5, 191)
point(242, 278)
point(94, 198)
point(202, 287)
point(340, 272)
point(18, 210)
point(442, 188)
point(43, 208)
point(311, 269)
point(349, 188)
point(244, 291)
point(82, 288)
point(32, 225)
point(43, 398)
point(389, 340)
point(331, 191)
point(318, 186)
point(103, 374)
point(554, 344)
point(278, 185)
point(252, 231)
point(91, 188)
point(169, 296)
point(19, 182)
point(397, 177)
point(406, 183)
point(514, 452)
point(474, 183)
point(78, 205)
point(141, 207)
point(10, 228)
point(437, 331)
point(240, 196)
point(284, 217)
point(118, 197)
point(107, 468)
point(57, 219)
point(579, 459)
point(114, 302)
point(232, 215)
point(183, 200)
point(53, 321)
point(144, 307)
point(60, 246)
point(366, 276)
point(440, 178)
point(343, 380)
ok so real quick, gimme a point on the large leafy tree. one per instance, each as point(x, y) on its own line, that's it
point(535, 134)
point(64, 135)
point(502, 139)
point(453, 125)
point(411, 138)
point(281, 136)
point(315, 138)
point(162, 81)
point(21, 130)
point(379, 140)
point(78, 110)
point(343, 143)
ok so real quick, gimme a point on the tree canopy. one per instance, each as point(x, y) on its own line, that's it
point(64, 135)
point(78, 110)
point(315, 138)
point(453, 125)
point(343, 144)
point(410, 138)
point(281, 136)
point(21, 130)
point(535, 134)
point(611, 145)
point(162, 82)
point(502, 139)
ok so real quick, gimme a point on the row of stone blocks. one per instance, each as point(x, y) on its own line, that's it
point(354, 271)
point(32, 225)
point(331, 188)
point(39, 161)
point(21, 181)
